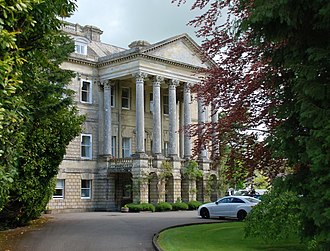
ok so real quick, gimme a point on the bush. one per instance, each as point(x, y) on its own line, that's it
point(193, 205)
point(179, 206)
point(134, 207)
point(138, 207)
point(163, 206)
point(276, 217)
point(147, 207)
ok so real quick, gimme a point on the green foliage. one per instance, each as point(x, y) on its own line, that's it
point(276, 217)
point(38, 118)
point(305, 101)
point(193, 205)
point(163, 206)
point(137, 207)
point(192, 171)
point(179, 206)
point(260, 181)
point(166, 170)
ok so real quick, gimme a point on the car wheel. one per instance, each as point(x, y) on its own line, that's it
point(241, 215)
point(205, 213)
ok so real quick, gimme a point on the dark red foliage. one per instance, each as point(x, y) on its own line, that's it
point(242, 86)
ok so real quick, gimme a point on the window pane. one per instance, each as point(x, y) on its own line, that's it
point(59, 189)
point(125, 98)
point(165, 105)
point(112, 96)
point(113, 145)
point(85, 91)
point(86, 188)
point(86, 146)
point(126, 147)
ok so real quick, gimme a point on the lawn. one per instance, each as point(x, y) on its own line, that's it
point(221, 237)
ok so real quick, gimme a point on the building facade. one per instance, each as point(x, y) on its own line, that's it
point(132, 147)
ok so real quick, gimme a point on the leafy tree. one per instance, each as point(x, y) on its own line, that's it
point(276, 217)
point(272, 79)
point(38, 116)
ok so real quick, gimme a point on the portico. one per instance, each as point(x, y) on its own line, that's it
point(140, 103)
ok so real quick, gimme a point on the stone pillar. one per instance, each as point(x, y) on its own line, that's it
point(100, 118)
point(157, 136)
point(172, 118)
point(187, 121)
point(107, 119)
point(140, 148)
point(201, 122)
point(140, 181)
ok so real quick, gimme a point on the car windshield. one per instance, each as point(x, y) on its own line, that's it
point(252, 200)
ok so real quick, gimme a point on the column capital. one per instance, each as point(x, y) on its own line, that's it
point(108, 83)
point(187, 87)
point(157, 79)
point(174, 83)
point(140, 76)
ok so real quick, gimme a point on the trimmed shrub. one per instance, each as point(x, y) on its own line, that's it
point(138, 207)
point(193, 205)
point(179, 206)
point(163, 206)
point(147, 207)
point(134, 207)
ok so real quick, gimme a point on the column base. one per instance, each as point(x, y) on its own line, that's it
point(174, 157)
point(105, 157)
point(140, 156)
point(158, 156)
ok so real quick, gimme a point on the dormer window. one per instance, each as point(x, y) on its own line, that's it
point(81, 46)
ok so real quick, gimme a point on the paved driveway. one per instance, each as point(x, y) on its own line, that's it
point(103, 231)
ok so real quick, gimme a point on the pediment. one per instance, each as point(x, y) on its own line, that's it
point(179, 50)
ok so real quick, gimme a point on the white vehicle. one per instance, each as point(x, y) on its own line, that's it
point(229, 206)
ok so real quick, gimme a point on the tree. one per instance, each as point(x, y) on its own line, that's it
point(273, 73)
point(39, 118)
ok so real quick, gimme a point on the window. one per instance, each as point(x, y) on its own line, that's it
point(86, 189)
point(225, 200)
point(86, 91)
point(165, 105)
point(125, 98)
point(113, 145)
point(165, 148)
point(237, 200)
point(80, 48)
point(86, 146)
point(59, 189)
point(151, 104)
point(112, 98)
point(126, 148)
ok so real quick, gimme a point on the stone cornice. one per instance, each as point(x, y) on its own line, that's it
point(145, 56)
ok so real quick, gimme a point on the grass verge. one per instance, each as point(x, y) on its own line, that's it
point(221, 237)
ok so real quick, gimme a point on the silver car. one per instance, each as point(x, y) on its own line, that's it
point(229, 207)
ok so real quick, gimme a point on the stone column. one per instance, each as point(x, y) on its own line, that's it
point(201, 122)
point(172, 118)
point(100, 118)
point(140, 148)
point(187, 120)
point(157, 136)
point(107, 119)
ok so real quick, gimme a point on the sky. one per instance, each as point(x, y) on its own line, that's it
point(124, 21)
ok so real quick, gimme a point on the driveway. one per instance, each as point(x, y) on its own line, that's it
point(104, 231)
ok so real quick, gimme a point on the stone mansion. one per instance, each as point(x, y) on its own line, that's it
point(136, 102)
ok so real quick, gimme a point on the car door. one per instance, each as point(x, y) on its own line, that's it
point(222, 206)
point(234, 206)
